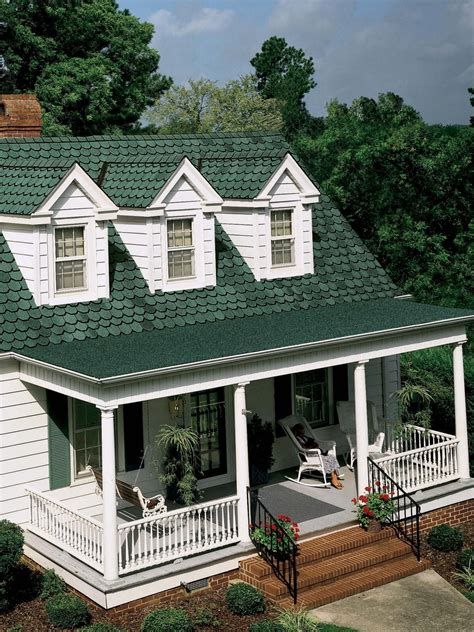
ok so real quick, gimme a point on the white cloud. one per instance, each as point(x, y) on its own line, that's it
point(206, 20)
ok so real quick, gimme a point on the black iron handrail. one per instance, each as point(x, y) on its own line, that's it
point(406, 517)
point(281, 555)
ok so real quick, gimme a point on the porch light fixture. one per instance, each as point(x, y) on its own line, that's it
point(176, 407)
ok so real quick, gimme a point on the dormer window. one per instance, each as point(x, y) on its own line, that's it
point(282, 238)
point(180, 248)
point(70, 258)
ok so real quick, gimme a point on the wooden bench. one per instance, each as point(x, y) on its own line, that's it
point(133, 495)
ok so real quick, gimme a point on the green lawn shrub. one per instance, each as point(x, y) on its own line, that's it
point(101, 627)
point(266, 626)
point(52, 585)
point(469, 594)
point(67, 611)
point(297, 620)
point(205, 618)
point(167, 620)
point(445, 538)
point(243, 599)
point(11, 550)
point(465, 558)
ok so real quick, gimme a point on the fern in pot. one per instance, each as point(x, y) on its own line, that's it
point(179, 468)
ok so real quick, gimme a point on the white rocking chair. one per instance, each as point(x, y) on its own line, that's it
point(310, 460)
point(346, 416)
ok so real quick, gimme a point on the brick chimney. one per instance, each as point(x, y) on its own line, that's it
point(20, 115)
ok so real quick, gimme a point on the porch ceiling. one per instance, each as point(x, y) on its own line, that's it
point(115, 356)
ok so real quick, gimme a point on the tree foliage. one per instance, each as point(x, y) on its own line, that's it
point(89, 63)
point(405, 187)
point(202, 107)
point(285, 73)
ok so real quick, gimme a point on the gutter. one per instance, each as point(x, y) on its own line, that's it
point(268, 353)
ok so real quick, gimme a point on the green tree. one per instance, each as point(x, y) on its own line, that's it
point(405, 187)
point(201, 107)
point(90, 64)
point(285, 73)
point(471, 101)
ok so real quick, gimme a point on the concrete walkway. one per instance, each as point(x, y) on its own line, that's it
point(417, 603)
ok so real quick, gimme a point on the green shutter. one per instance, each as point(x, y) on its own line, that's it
point(58, 440)
point(283, 401)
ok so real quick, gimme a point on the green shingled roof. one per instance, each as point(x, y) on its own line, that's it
point(137, 167)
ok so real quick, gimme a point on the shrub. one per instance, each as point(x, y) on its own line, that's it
point(469, 594)
point(51, 585)
point(16, 628)
point(11, 549)
point(244, 599)
point(465, 558)
point(167, 620)
point(67, 611)
point(101, 627)
point(297, 620)
point(466, 576)
point(266, 626)
point(445, 538)
point(205, 618)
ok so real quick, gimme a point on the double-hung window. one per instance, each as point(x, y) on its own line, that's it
point(87, 436)
point(311, 396)
point(70, 258)
point(180, 248)
point(282, 238)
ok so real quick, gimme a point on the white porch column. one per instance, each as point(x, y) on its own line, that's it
point(362, 431)
point(109, 505)
point(460, 410)
point(241, 459)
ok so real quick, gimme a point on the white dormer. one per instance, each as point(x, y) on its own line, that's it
point(273, 232)
point(62, 248)
point(172, 241)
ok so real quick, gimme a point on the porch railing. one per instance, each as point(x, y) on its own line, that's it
point(284, 566)
point(422, 458)
point(406, 517)
point(75, 533)
point(176, 534)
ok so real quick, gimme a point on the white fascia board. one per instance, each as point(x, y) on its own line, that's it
point(260, 202)
point(304, 184)
point(77, 175)
point(140, 213)
point(25, 220)
point(187, 170)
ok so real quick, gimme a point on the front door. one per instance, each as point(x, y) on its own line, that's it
point(208, 420)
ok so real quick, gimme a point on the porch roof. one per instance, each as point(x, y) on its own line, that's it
point(122, 355)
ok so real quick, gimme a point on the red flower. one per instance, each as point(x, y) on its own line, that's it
point(370, 513)
point(385, 497)
point(354, 500)
point(274, 527)
point(368, 489)
point(366, 509)
point(384, 488)
point(363, 499)
point(377, 483)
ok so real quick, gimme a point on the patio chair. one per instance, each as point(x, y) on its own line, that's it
point(346, 416)
point(310, 460)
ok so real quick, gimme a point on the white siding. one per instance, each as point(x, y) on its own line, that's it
point(23, 242)
point(136, 235)
point(23, 442)
point(182, 196)
point(244, 229)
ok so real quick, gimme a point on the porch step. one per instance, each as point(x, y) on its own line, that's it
point(338, 565)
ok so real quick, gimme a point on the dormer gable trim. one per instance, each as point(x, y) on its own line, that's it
point(211, 200)
point(308, 191)
point(105, 208)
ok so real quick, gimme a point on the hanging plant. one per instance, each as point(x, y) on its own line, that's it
point(179, 468)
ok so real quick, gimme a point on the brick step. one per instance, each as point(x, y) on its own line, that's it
point(354, 583)
point(319, 548)
point(326, 570)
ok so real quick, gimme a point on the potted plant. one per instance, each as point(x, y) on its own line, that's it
point(260, 446)
point(179, 468)
point(276, 535)
point(374, 507)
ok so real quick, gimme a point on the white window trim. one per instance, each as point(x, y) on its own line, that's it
point(171, 249)
point(83, 258)
point(297, 267)
point(89, 293)
point(198, 280)
point(330, 395)
point(76, 478)
point(290, 238)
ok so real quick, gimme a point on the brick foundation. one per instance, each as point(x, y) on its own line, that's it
point(454, 515)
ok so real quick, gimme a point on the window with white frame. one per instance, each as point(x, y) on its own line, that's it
point(180, 248)
point(70, 258)
point(312, 397)
point(282, 238)
point(86, 436)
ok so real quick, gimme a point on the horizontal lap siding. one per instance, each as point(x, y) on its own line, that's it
point(244, 230)
point(135, 237)
point(23, 245)
point(23, 443)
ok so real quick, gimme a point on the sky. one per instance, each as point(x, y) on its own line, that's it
point(421, 49)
